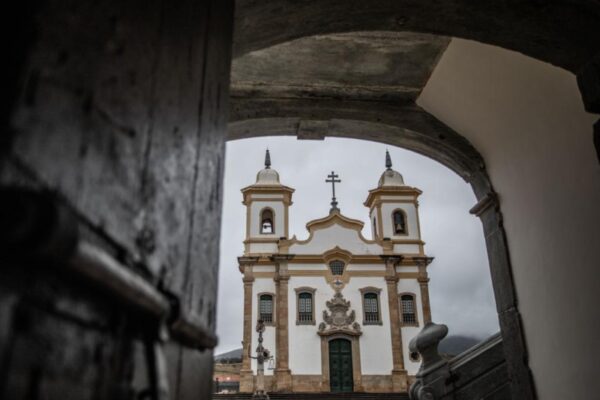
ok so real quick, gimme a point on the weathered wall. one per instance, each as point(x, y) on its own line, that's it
point(121, 112)
point(527, 120)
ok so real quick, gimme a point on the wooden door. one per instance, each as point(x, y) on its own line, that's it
point(340, 365)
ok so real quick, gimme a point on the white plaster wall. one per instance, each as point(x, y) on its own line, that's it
point(278, 208)
point(407, 268)
point(527, 120)
point(263, 268)
point(305, 343)
point(366, 267)
point(263, 248)
point(376, 340)
point(372, 218)
point(335, 235)
point(262, 285)
point(406, 248)
point(411, 220)
point(409, 332)
point(309, 267)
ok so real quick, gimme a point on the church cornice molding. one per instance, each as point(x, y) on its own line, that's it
point(283, 190)
point(422, 261)
point(392, 258)
point(356, 259)
point(330, 278)
point(281, 257)
point(248, 260)
point(374, 194)
point(262, 240)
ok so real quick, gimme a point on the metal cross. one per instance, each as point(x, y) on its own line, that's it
point(333, 181)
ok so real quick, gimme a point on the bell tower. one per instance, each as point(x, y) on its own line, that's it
point(393, 211)
point(267, 216)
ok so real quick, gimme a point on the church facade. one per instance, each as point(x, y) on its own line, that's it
point(339, 308)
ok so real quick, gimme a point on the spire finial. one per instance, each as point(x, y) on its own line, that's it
point(267, 160)
point(388, 160)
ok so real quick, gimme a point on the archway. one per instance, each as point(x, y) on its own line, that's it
point(562, 33)
point(456, 154)
point(180, 55)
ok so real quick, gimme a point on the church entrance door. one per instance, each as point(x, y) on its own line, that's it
point(340, 365)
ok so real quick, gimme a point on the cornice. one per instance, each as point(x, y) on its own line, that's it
point(248, 191)
point(422, 260)
point(247, 260)
point(281, 257)
point(391, 190)
point(392, 258)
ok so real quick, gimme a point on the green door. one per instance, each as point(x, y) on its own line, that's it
point(340, 365)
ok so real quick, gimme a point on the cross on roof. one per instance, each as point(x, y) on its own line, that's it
point(332, 179)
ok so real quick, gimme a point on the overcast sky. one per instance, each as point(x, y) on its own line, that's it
point(460, 286)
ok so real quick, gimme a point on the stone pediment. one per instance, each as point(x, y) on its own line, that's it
point(340, 319)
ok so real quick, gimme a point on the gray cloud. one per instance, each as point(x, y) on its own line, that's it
point(460, 286)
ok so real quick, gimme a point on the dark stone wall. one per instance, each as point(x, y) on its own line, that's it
point(119, 109)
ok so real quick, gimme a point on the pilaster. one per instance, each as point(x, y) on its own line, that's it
point(283, 375)
point(423, 279)
point(246, 375)
point(399, 374)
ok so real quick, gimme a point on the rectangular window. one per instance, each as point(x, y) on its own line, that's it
point(305, 307)
point(266, 308)
point(408, 310)
point(371, 308)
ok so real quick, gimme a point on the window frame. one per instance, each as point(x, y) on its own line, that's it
point(261, 219)
point(273, 311)
point(415, 308)
point(311, 291)
point(377, 292)
point(344, 264)
point(405, 217)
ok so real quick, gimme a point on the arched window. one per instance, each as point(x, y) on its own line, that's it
point(371, 308)
point(305, 307)
point(399, 222)
point(409, 311)
point(265, 308)
point(337, 267)
point(266, 221)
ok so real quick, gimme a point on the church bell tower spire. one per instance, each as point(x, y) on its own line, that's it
point(388, 160)
point(267, 203)
point(267, 159)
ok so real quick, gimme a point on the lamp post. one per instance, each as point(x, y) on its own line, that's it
point(262, 354)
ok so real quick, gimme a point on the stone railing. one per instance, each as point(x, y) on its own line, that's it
point(478, 373)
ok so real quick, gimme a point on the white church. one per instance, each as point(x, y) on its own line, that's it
point(339, 309)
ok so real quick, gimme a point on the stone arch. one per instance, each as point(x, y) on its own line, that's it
point(436, 141)
point(423, 134)
point(562, 33)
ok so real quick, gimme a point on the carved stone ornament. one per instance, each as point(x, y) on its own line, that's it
point(339, 319)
